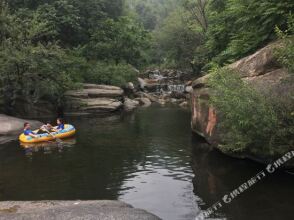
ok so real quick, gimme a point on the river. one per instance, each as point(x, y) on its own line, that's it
point(149, 159)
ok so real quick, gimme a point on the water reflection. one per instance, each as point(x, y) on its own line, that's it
point(48, 147)
point(217, 175)
point(146, 159)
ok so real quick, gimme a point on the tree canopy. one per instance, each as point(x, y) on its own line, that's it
point(47, 46)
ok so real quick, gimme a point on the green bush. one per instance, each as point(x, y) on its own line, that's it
point(238, 28)
point(248, 120)
point(110, 74)
point(285, 54)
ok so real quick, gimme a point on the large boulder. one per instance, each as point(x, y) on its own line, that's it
point(260, 69)
point(145, 102)
point(94, 99)
point(11, 127)
point(130, 104)
point(100, 210)
point(96, 91)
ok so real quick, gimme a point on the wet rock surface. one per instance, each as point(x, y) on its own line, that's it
point(11, 127)
point(100, 210)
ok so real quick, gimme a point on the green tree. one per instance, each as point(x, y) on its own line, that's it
point(177, 40)
point(120, 41)
point(30, 69)
point(237, 27)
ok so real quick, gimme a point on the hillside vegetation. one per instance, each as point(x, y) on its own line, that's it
point(50, 46)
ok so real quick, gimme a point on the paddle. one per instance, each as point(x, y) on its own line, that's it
point(56, 138)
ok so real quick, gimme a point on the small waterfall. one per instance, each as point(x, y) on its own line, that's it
point(176, 88)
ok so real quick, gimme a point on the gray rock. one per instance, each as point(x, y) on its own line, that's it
point(161, 101)
point(145, 102)
point(101, 104)
point(11, 125)
point(151, 97)
point(65, 210)
point(130, 86)
point(94, 99)
point(95, 93)
point(104, 87)
point(142, 83)
point(130, 104)
point(184, 104)
point(189, 89)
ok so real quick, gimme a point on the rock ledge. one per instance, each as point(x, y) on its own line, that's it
point(101, 210)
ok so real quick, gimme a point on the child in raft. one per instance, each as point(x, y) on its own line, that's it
point(60, 125)
point(27, 130)
point(45, 128)
point(49, 128)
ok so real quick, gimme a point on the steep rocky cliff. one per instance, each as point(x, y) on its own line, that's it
point(259, 69)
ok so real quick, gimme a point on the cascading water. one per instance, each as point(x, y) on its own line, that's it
point(168, 82)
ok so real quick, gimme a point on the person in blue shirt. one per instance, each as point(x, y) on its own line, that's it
point(60, 124)
point(27, 130)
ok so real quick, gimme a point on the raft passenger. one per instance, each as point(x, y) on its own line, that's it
point(60, 124)
point(27, 130)
point(45, 128)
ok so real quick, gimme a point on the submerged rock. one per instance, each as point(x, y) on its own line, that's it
point(100, 210)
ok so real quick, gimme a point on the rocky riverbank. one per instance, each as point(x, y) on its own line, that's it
point(166, 86)
point(153, 86)
point(11, 127)
point(262, 71)
point(102, 210)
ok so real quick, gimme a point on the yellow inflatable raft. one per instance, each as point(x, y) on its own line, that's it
point(68, 131)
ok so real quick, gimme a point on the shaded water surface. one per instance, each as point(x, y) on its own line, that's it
point(149, 159)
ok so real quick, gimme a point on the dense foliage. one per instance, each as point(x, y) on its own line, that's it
point(247, 119)
point(285, 54)
point(48, 46)
point(199, 33)
point(251, 121)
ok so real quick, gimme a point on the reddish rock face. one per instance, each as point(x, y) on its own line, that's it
point(260, 69)
point(204, 117)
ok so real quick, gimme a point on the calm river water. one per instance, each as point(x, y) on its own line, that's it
point(149, 159)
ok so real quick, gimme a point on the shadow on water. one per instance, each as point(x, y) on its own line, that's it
point(149, 159)
point(217, 175)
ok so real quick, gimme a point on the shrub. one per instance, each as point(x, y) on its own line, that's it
point(110, 74)
point(285, 54)
point(248, 120)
